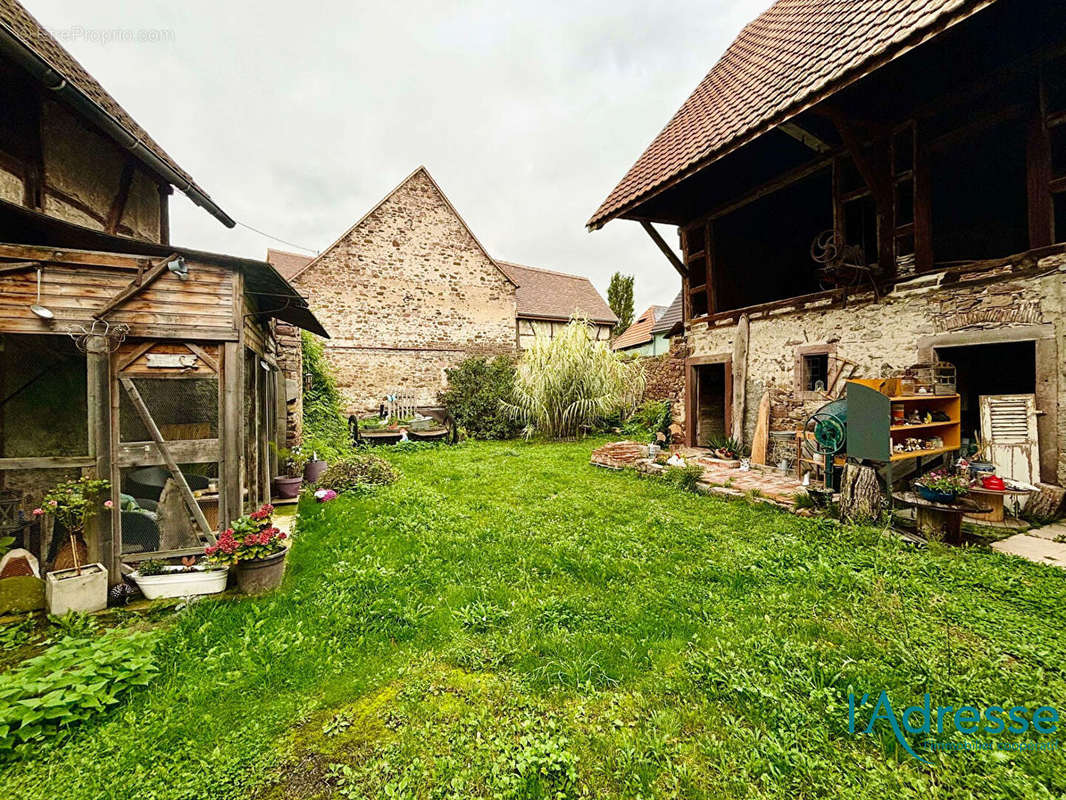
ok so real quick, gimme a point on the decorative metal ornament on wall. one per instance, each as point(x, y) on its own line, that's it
point(112, 335)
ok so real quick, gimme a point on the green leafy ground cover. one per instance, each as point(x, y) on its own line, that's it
point(507, 621)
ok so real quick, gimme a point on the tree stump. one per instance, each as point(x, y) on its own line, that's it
point(861, 497)
point(1047, 504)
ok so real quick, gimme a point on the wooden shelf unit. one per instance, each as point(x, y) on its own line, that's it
point(871, 434)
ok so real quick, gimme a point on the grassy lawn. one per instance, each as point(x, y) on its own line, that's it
point(507, 621)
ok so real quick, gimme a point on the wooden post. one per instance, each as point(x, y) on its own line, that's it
point(740, 378)
point(230, 479)
point(164, 451)
point(99, 541)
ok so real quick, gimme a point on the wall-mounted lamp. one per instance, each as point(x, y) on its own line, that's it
point(179, 268)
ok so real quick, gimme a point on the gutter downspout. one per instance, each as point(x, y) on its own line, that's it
point(59, 86)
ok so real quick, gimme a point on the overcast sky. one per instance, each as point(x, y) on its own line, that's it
point(298, 117)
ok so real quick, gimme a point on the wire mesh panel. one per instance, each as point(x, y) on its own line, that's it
point(43, 409)
point(183, 408)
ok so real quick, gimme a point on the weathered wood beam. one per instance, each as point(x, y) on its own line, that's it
point(675, 262)
point(805, 137)
point(136, 286)
point(161, 444)
point(118, 205)
point(100, 541)
point(875, 172)
point(21, 266)
point(203, 355)
point(778, 183)
point(47, 462)
point(78, 258)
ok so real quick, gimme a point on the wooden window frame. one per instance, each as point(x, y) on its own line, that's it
point(799, 369)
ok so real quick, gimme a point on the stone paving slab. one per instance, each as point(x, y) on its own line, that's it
point(1035, 548)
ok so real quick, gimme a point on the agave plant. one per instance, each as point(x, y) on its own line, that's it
point(570, 382)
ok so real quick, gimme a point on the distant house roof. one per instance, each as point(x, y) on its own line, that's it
point(288, 264)
point(37, 50)
point(670, 322)
point(544, 294)
point(640, 332)
point(794, 55)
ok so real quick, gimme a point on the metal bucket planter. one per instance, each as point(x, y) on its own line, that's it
point(262, 574)
point(176, 582)
point(313, 471)
point(287, 488)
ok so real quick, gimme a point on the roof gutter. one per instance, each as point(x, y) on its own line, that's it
point(58, 85)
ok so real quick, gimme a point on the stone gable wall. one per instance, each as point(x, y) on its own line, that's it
point(889, 334)
point(406, 294)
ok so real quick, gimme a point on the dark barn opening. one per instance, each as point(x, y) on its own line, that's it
point(999, 368)
point(979, 204)
point(762, 251)
point(711, 387)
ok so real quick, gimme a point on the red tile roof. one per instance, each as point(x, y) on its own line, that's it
point(544, 294)
point(32, 36)
point(795, 54)
point(640, 331)
point(288, 264)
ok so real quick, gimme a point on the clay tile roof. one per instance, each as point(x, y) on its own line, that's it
point(640, 331)
point(288, 264)
point(670, 318)
point(32, 36)
point(793, 55)
point(544, 294)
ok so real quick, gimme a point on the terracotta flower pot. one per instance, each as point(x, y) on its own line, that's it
point(286, 487)
point(261, 575)
point(313, 471)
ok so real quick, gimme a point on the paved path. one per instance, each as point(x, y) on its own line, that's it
point(1045, 545)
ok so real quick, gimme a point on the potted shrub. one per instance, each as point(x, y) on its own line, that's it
point(291, 462)
point(84, 586)
point(158, 579)
point(941, 486)
point(256, 548)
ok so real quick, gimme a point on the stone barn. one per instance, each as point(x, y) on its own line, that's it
point(859, 189)
point(409, 291)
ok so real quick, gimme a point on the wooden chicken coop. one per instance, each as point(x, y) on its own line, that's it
point(152, 366)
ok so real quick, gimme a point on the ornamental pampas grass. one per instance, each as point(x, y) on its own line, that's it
point(569, 383)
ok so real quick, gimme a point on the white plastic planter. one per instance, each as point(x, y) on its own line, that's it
point(177, 583)
point(66, 590)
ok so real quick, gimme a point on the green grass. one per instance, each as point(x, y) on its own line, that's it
point(507, 621)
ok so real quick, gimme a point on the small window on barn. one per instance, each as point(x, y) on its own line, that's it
point(815, 372)
point(811, 378)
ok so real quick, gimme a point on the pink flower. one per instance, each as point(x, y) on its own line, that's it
point(283, 535)
point(38, 512)
point(53, 503)
point(108, 504)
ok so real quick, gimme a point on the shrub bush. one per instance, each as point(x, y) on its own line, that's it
point(71, 681)
point(353, 472)
point(477, 388)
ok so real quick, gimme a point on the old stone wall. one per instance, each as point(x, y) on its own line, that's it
point(892, 333)
point(290, 362)
point(405, 294)
point(665, 380)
